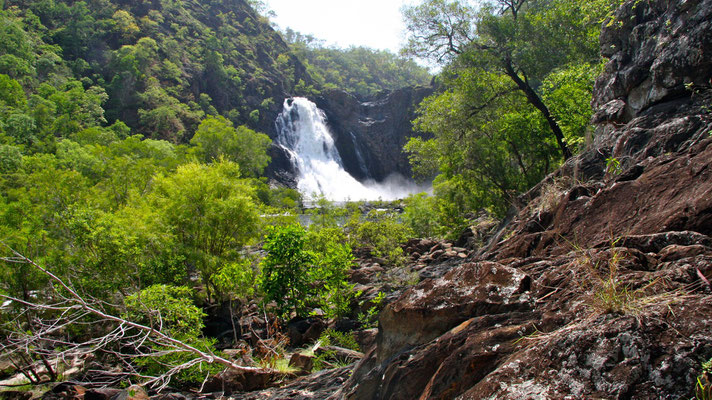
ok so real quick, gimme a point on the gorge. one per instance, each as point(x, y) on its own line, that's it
point(149, 249)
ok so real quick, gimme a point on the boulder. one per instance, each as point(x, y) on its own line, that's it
point(340, 353)
point(133, 392)
point(66, 390)
point(304, 362)
point(232, 381)
point(101, 393)
point(317, 386)
point(303, 331)
point(366, 275)
point(613, 356)
point(434, 306)
point(366, 339)
point(16, 395)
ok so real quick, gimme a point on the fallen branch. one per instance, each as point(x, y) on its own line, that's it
point(74, 307)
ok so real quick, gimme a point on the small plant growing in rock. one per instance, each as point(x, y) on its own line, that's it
point(329, 358)
point(331, 337)
point(550, 196)
point(369, 319)
point(612, 295)
point(613, 166)
point(609, 293)
point(703, 386)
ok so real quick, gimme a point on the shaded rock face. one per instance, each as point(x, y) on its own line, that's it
point(316, 386)
point(655, 48)
point(605, 294)
point(370, 135)
point(424, 312)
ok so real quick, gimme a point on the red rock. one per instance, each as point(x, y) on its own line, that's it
point(434, 306)
point(231, 381)
point(304, 362)
point(101, 393)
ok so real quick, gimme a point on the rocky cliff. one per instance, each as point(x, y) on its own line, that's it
point(370, 135)
point(600, 286)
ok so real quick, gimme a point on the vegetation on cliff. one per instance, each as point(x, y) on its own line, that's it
point(515, 98)
point(360, 71)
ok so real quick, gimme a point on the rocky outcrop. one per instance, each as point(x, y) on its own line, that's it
point(658, 51)
point(602, 290)
point(317, 386)
point(370, 135)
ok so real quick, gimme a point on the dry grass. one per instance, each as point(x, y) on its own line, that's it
point(608, 292)
point(551, 195)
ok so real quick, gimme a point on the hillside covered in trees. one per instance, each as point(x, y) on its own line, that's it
point(161, 67)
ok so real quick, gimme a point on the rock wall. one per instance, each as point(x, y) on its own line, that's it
point(603, 290)
point(370, 135)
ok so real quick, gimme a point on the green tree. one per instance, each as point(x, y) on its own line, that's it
point(212, 213)
point(383, 233)
point(358, 70)
point(216, 138)
point(503, 113)
point(10, 159)
point(333, 259)
point(421, 215)
point(284, 276)
point(11, 93)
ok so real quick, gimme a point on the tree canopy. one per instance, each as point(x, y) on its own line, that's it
point(516, 84)
point(358, 70)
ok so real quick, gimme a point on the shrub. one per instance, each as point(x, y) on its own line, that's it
point(421, 215)
point(369, 319)
point(170, 310)
point(284, 270)
point(383, 233)
point(304, 269)
point(333, 259)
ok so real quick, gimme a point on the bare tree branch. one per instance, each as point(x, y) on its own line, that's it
point(72, 308)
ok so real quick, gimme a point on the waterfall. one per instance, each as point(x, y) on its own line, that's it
point(303, 133)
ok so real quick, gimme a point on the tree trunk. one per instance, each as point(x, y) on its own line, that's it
point(536, 101)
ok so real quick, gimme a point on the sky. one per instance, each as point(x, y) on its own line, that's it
point(371, 23)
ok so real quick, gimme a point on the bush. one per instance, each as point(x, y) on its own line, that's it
point(284, 270)
point(421, 215)
point(383, 233)
point(333, 259)
point(304, 269)
point(170, 310)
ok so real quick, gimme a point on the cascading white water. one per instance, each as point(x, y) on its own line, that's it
point(305, 136)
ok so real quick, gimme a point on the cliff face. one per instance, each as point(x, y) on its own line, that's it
point(370, 135)
point(600, 286)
